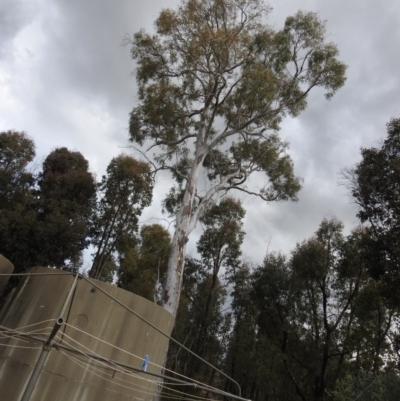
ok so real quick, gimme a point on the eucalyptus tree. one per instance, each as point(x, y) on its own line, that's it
point(219, 251)
point(143, 266)
point(367, 387)
point(307, 307)
point(244, 350)
point(375, 186)
point(201, 323)
point(376, 319)
point(125, 190)
point(219, 247)
point(214, 83)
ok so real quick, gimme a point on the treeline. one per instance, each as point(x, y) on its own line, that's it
point(311, 325)
point(321, 323)
point(50, 217)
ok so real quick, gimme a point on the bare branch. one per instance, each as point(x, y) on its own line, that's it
point(171, 144)
point(243, 126)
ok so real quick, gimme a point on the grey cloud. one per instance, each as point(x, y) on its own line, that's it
point(83, 89)
point(14, 16)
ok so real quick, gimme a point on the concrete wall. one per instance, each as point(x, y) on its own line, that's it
point(91, 316)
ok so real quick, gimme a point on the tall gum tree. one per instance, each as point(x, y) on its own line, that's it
point(214, 83)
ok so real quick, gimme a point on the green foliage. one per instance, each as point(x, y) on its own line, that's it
point(215, 71)
point(201, 325)
point(64, 205)
point(306, 321)
point(219, 245)
point(225, 50)
point(75, 263)
point(17, 150)
point(17, 211)
point(375, 184)
point(17, 233)
point(243, 354)
point(46, 224)
point(125, 191)
point(367, 387)
point(142, 267)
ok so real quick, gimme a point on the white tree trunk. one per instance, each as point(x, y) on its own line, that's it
point(176, 262)
point(185, 223)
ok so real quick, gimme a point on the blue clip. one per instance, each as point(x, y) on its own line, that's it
point(143, 368)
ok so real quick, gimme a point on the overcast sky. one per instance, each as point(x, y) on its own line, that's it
point(66, 80)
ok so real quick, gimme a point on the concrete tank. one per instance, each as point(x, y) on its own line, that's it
point(6, 267)
point(95, 324)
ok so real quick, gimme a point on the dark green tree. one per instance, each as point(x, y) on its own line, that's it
point(124, 191)
point(368, 387)
point(45, 219)
point(64, 205)
point(219, 249)
point(204, 335)
point(17, 150)
point(204, 292)
point(17, 212)
point(307, 308)
point(244, 351)
point(375, 318)
point(143, 266)
point(375, 186)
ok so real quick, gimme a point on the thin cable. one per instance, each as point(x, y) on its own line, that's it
point(117, 368)
point(110, 366)
point(138, 357)
point(92, 369)
point(166, 335)
point(39, 274)
point(43, 331)
point(30, 325)
point(95, 353)
point(107, 343)
point(362, 392)
point(19, 346)
point(15, 336)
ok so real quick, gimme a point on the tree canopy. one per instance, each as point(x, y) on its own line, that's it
point(375, 186)
point(17, 150)
point(64, 204)
point(124, 191)
point(45, 218)
point(143, 266)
